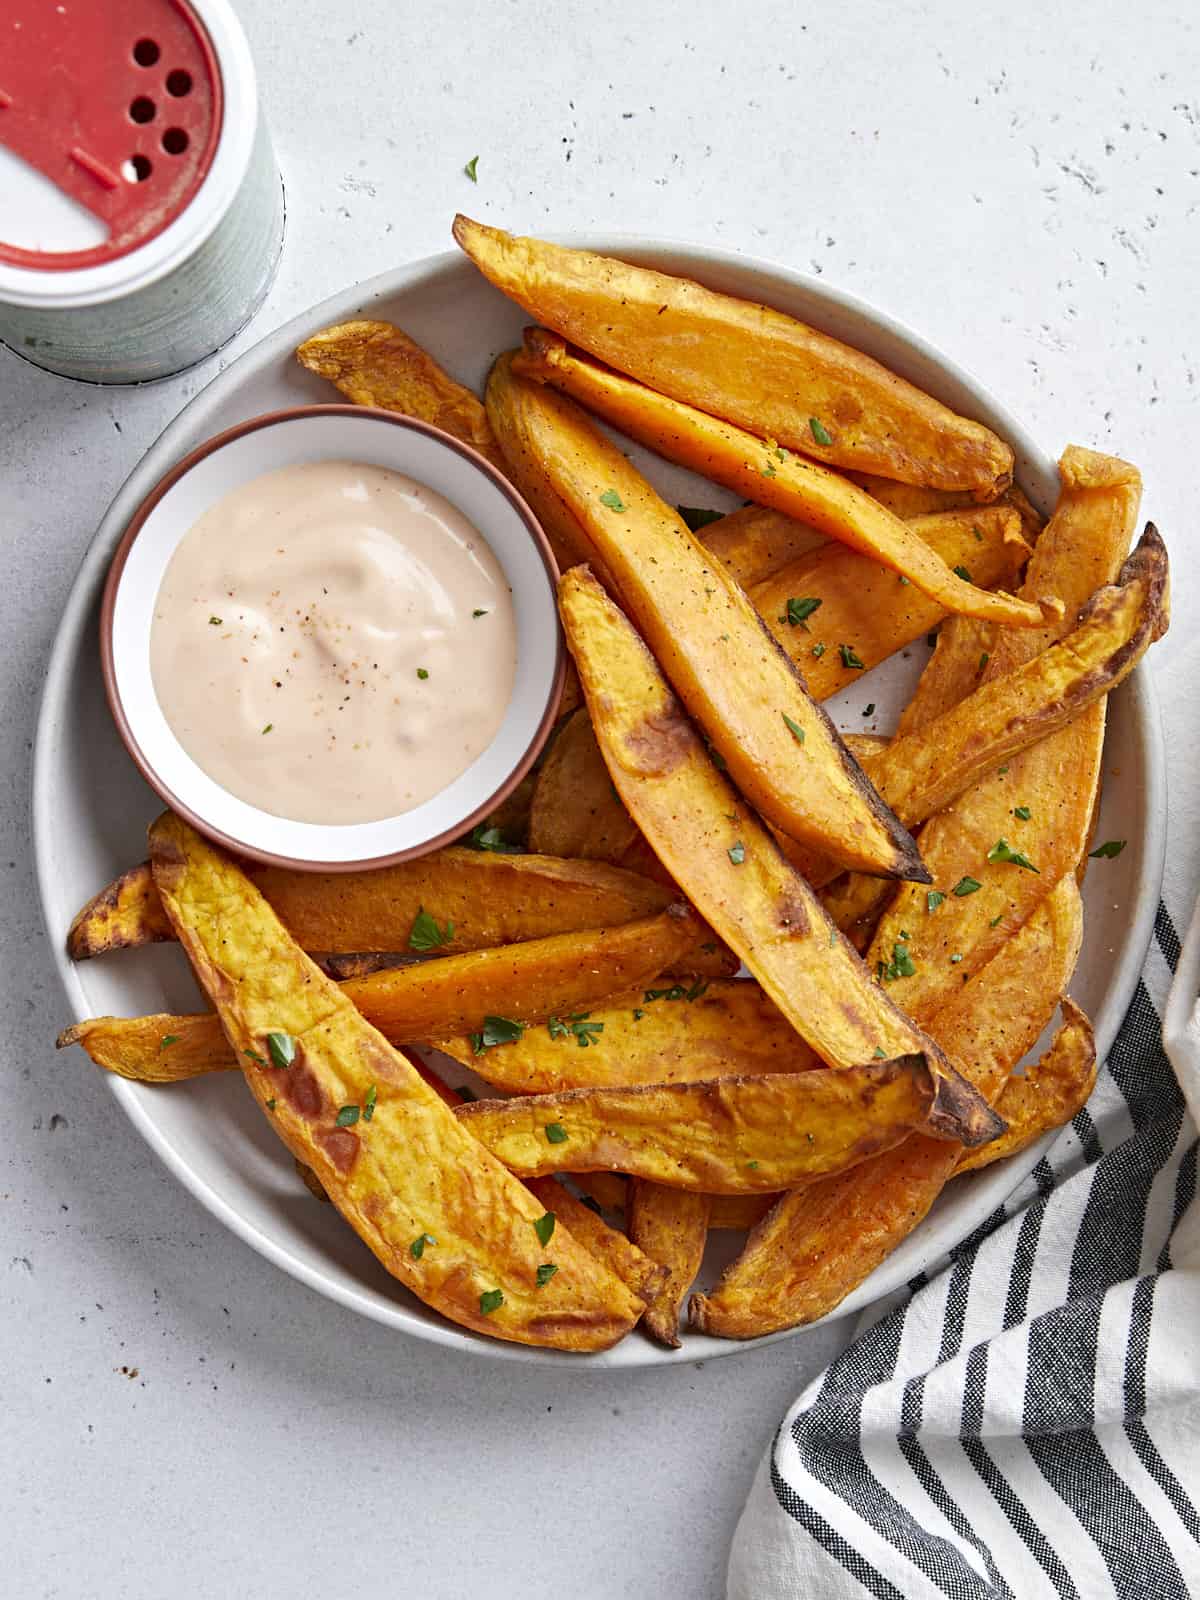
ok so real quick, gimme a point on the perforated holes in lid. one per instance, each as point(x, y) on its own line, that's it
point(118, 105)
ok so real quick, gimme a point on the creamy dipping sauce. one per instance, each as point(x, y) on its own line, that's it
point(333, 642)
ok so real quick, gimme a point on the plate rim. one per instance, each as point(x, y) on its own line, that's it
point(993, 1187)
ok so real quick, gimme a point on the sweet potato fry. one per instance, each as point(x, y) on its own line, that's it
point(780, 747)
point(567, 539)
point(974, 840)
point(731, 868)
point(405, 1169)
point(640, 1274)
point(921, 773)
point(721, 1136)
point(671, 1227)
point(377, 364)
point(865, 613)
point(518, 982)
point(956, 667)
point(489, 899)
point(1045, 1096)
point(668, 1033)
point(818, 1243)
point(746, 362)
point(762, 470)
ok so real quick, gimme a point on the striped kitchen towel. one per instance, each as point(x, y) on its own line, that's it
point(1026, 1421)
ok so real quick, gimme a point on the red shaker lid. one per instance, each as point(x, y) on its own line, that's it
point(119, 104)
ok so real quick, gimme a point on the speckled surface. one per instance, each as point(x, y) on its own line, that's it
point(1021, 185)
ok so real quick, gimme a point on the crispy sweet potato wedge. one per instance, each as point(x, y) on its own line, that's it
point(490, 900)
point(721, 1136)
point(818, 1243)
point(1055, 780)
point(865, 612)
point(746, 362)
point(731, 868)
point(922, 773)
point(1045, 1096)
point(779, 745)
point(764, 471)
point(640, 1274)
point(668, 1033)
point(407, 1169)
point(377, 364)
point(956, 667)
point(671, 1227)
point(520, 982)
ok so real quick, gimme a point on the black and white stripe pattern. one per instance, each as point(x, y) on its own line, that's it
point(1025, 1422)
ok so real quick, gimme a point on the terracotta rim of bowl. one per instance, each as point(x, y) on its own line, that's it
point(108, 605)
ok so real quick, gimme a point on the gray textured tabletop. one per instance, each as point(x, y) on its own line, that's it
point(1022, 185)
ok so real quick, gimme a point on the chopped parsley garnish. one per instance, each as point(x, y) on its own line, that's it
point(869, 710)
point(983, 661)
point(556, 1133)
point(471, 169)
point(978, 532)
point(880, 1055)
point(422, 673)
point(490, 1300)
point(752, 1165)
point(214, 622)
point(819, 431)
point(638, 1013)
point(900, 966)
point(966, 886)
point(800, 608)
point(612, 500)
point(818, 650)
point(281, 1048)
point(996, 921)
point(417, 1248)
point(270, 1104)
point(675, 992)
point(1107, 851)
point(961, 572)
point(954, 960)
point(544, 1227)
point(485, 838)
point(794, 728)
point(737, 853)
point(1003, 851)
point(849, 659)
point(426, 935)
point(696, 517)
point(769, 470)
point(496, 1030)
point(478, 613)
point(1001, 771)
point(347, 1116)
point(544, 1273)
point(254, 1056)
point(167, 1039)
point(268, 727)
point(585, 1032)
point(1023, 812)
point(369, 1103)
point(934, 899)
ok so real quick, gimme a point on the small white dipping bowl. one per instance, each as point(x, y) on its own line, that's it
point(288, 438)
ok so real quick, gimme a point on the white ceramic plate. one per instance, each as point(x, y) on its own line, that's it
point(90, 808)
